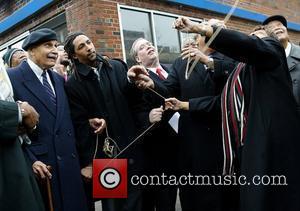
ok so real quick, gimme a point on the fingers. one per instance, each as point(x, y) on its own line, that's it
point(87, 172)
point(155, 114)
point(29, 114)
point(136, 71)
point(98, 124)
point(40, 169)
point(189, 52)
point(144, 82)
point(172, 103)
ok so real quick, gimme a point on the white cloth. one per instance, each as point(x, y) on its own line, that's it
point(38, 72)
point(288, 49)
point(7, 94)
point(5, 86)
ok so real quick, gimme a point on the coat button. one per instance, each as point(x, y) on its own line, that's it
point(295, 81)
point(58, 157)
point(73, 155)
point(69, 133)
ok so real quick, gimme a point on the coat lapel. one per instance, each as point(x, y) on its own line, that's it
point(294, 58)
point(32, 83)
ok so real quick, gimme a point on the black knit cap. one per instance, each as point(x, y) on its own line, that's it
point(39, 36)
point(279, 18)
point(8, 55)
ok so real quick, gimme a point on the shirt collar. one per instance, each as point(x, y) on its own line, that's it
point(288, 49)
point(35, 68)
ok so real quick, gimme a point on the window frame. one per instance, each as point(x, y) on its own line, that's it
point(152, 24)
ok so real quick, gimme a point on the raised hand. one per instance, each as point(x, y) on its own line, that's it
point(184, 24)
point(139, 75)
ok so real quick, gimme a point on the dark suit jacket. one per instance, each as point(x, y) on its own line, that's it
point(271, 144)
point(54, 140)
point(293, 61)
point(161, 143)
point(18, 188)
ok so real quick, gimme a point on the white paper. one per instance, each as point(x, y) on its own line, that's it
point(174, 121)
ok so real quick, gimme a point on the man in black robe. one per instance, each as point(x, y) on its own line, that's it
point(269, 142)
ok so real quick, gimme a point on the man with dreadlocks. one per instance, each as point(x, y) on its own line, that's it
point(261, 130)
point(99, 92)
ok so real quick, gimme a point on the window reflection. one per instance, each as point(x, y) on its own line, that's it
point(135, 25)
point(167, 39)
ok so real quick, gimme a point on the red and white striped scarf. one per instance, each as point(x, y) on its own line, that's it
point(234, 118)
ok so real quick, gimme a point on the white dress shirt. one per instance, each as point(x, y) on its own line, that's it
point(38, 72)
point(153, 69)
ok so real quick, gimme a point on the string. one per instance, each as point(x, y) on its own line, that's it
point(130, 144)
point(212, 38)
point(187, 75)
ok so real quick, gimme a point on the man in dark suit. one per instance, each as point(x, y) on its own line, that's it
point(277, 26)
point(160, 145)
point(262, 137)
point(18, 188)
point(53, 143)
point(101, 97)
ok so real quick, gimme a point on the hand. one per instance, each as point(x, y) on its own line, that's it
point(184, 24)
point(155, 114)
point(144, 82)
point(139, 75)
point(135, 71)
point(194, 53)
point(175, 104)
point(87, 172)
point(29, 114)
point(98, 124)
point(41, 169)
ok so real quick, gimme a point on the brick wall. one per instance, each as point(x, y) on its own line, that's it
point(99, 18)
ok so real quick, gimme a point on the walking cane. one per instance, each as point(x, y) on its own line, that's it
point(49, 191)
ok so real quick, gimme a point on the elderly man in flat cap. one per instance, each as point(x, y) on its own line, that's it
point(277, 26)
point(53, 143)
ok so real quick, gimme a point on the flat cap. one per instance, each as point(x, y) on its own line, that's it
point(276, 18)
point(39, 36)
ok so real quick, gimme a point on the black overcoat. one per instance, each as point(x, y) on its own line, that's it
point(273, 132)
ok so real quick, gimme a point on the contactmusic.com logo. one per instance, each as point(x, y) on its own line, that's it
point(110, 178)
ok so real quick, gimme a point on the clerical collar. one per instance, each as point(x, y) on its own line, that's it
point(288, 49)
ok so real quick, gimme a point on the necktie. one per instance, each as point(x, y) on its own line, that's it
point(48, 88)
point(159, 73)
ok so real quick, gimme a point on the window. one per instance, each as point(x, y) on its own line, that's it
point(154, 26)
